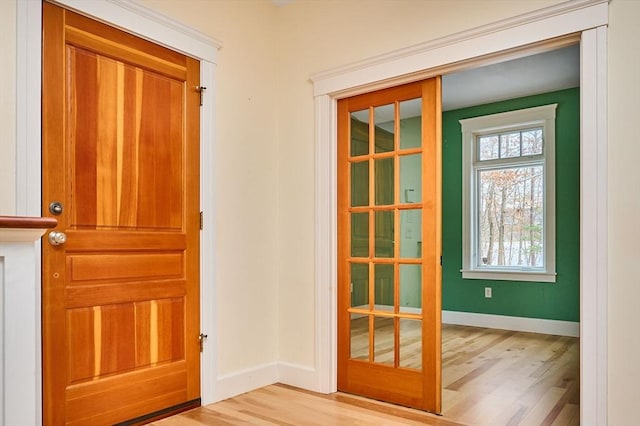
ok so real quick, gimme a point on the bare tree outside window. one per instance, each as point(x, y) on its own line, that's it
point(511, 217)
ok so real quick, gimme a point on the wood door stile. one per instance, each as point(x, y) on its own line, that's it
point(432, 244)
point(120, 151)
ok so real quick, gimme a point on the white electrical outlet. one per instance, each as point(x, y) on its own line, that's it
point(487, 292)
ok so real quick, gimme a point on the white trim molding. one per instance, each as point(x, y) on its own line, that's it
point(593, 227)
point(504, 322)
point(242, 381)
point(20, 367)
point(520, 35)
point(132, 17)
point(462, 50)
point(246, 380)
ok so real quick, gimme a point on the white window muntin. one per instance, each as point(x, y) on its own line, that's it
point(472, 128)
point(504, 132)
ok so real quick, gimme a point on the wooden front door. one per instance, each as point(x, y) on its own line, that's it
point(120, 157)
point(389, 221)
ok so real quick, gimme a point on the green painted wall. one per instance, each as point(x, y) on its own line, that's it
point(559, 300)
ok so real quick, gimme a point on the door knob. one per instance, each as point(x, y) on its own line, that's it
point(57, 238)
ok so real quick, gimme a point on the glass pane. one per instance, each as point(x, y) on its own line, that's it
point(360, 285)
point(360, 133)
point(360, 234)
point(488, 147)
point(532, 142)
point(410, 343)
point(360, 337)
point(384, 297)
point(384, 181)
point(411, 233)
point(383, 340)
point(411, 124)
point(510, 222)
point(384, 129)
point(510, 145)
point(411, 289)
point(411, 178)
point(384, 234)
point(360, 183)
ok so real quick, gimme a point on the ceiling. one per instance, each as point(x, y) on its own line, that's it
point(544, 72)
point(530, 75)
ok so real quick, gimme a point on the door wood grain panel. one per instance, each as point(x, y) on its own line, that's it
point(125, 266)
point(122, 119)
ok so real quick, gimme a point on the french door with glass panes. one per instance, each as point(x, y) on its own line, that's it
point(389, 221)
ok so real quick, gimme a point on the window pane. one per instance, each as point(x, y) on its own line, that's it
point(532, 142)
point(359, 337)
point(510, 217)
point(384, 295)
point(510, 145)
point(384, 181)
point(488, 147)
point(360, 133)
point(360, 285)
point(360, 234)
point(411, 343)
point(384, 234)
point(384, 127)
point(411, 289)
point(411, 233)
point(360, 183)
point(411, 124)
point(384, 341)
point(411, 178)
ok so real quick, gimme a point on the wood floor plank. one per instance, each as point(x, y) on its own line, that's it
point(489, 378)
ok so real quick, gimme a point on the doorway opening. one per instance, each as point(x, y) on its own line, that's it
point(552, 77)
point(521, 36)
point(501, 335)
point(482, 360)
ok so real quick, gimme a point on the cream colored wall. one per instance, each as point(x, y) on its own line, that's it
point(7, 108)
point(246, 173)
point(624, 211)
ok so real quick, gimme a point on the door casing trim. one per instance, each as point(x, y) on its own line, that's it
point(523, 34)
point(160, 29)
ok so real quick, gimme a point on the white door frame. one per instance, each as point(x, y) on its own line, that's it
point(145, 23)
point(589, 18)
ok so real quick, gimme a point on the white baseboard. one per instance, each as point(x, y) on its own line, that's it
point(239, 382)
point(503, 322)
point(299, 376)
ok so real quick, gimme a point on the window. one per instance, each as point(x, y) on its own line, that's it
point(508, 170)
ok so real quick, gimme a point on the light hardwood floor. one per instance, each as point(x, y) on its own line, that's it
point(490, 377)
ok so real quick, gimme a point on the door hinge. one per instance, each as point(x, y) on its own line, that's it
point(202, 339)
point(201, 89)
point(201, 221)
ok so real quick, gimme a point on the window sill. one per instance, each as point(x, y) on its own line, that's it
point(475, 274)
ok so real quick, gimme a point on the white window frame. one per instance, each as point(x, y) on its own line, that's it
point(542, 116)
